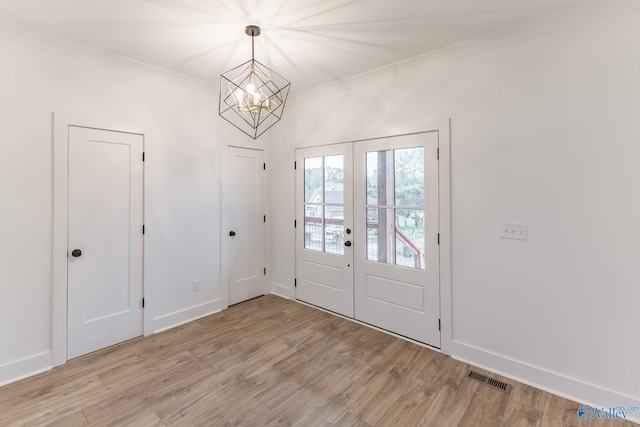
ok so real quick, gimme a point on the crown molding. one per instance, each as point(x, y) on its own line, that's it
point(25, 36)
point(580, 15)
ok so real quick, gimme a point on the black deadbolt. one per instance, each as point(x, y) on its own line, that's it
point(232, 233)
point(76, 253)
point(348, 231)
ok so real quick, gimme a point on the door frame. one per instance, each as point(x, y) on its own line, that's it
point(443, 127)
point(60, 226)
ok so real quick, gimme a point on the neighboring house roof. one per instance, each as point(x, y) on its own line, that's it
point(333, 191)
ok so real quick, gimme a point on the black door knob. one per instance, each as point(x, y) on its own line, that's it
point(76, 253)
point(347, 243)
point(232, 233)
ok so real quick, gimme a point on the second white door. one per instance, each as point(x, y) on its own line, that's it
point(244, 223)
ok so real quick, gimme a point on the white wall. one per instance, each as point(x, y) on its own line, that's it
point(182, 174)
point(544, 131)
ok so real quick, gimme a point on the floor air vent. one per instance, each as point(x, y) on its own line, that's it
point(488, 381)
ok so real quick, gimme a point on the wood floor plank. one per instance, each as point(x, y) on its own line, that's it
point(97, 362)
point(283, 388)
point(350, 420)
point(75, 419)
point(383, 390)
point(26, 390)
point(248, 415)
point(62, 400)
point(438, 370)
point(527, 395)
point(119, 411)
point(487, 407)
point(274, 362)
point(452, 400)
point(334, 408)
point(518, 415)
point(411, 407)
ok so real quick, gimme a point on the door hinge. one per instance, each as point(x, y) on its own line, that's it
point(142, 228)
point(295, 165)
point(438, 238)
point(265, 270)
point(295, 283)
point(439, 324)
point(295, 223)
point(438, 153)
point(143, 156)
point(264, 166)
point(265, 218)
point(142, 302)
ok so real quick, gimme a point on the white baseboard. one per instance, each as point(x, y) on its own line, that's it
point(171, 320)
point(29, 366)
point(552, 382)
point(281, 290)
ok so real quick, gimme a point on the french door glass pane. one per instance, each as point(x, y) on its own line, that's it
point(395, 185)
point(410, 238)
point(313, 180)
point(334, 229)
point(324, 204)
point(380, 178)
point(313, 226)
point(380, 235)
point(409, 176)
point(334, 179)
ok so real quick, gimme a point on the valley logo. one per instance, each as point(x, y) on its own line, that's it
point(587, 412)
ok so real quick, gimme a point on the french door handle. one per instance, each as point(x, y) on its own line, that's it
point(347, 243)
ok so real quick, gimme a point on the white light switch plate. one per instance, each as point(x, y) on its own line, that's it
point(513, 231)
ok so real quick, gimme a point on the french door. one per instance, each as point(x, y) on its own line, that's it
point(324, 227)
point(367, 232)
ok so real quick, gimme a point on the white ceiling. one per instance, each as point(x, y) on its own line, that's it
point(310, 42)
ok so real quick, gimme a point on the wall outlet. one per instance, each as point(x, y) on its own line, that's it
point(513, 231)
point(196, 285)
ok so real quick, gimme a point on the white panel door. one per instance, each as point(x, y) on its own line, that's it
point(396, 218)
point(105, 242)
point(324, 227)
point(244, 222)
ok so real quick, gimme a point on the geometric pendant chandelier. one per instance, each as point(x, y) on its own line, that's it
point(252, 96)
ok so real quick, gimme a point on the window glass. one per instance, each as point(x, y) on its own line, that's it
point(410, 238)
point(379, 178)
point(409, 176)
point(313, 226)
point(324, 204)
point(313, 180)
point(395, 196)
point(334, 229)
point(334, 179)
point(380, 235)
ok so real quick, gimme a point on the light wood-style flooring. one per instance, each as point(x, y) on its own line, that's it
point(273, 362)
